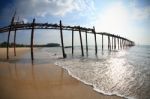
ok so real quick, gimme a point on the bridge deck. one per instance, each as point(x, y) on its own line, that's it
point(28, 26)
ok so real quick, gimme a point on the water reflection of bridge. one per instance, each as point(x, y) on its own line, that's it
point(35, 81)
point(116, 40)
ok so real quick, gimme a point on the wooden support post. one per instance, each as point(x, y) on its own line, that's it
point(15, 39)
point(15, 42)
point(123, 44)
point(126, 43)
point(95, 40)
point(108, 42)
point(118, 43)
point(81, 41)
point(102, 42)
point(62, 42)
point(72, 41)
point(112, 43)
point(8, 42)
point(12, 21)
point(32, 35)
point(115, 42)
point(86, 42)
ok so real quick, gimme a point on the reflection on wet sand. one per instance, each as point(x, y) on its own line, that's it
point(26, 81)
point(22, 79)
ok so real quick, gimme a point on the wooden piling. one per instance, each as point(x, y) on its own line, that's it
point(15, 39)
point(81, 41)
point(12, 21)
point(118, 42)
point(125, 43)
point(86, 42)
point(95, 40)
point(102, 42)
point(62, 42)
point(32, 35)
point(108, 42)
point(112, 43)
point(8, 42)
point(72, 41)
point(15, 42)
point(115, 43)
point(122, 44)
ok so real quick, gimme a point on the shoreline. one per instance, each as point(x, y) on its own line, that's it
point(41, 81)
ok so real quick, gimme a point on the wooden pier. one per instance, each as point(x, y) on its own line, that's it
point(113, 40)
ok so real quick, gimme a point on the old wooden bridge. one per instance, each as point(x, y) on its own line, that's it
point(112, 39)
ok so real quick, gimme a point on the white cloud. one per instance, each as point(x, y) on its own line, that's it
point(50, 7)
point(44, 7)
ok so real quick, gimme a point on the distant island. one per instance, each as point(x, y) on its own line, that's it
point(4, 44)
point(68, 46)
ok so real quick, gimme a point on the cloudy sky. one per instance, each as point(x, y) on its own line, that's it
point(127, 18)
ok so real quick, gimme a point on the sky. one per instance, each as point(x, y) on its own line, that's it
point(127, 18)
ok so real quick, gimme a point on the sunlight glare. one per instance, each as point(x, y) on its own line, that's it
point(114, 19)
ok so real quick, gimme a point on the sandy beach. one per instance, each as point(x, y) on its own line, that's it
point(40, 81)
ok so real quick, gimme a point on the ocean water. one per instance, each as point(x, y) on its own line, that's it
point(125, 72)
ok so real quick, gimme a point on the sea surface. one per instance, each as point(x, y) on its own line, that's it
point(124, 72)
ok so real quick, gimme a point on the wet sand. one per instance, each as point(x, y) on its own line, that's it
point(19, 53)
point(41, 81)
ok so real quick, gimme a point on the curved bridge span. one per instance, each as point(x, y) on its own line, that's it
point(113, 40)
